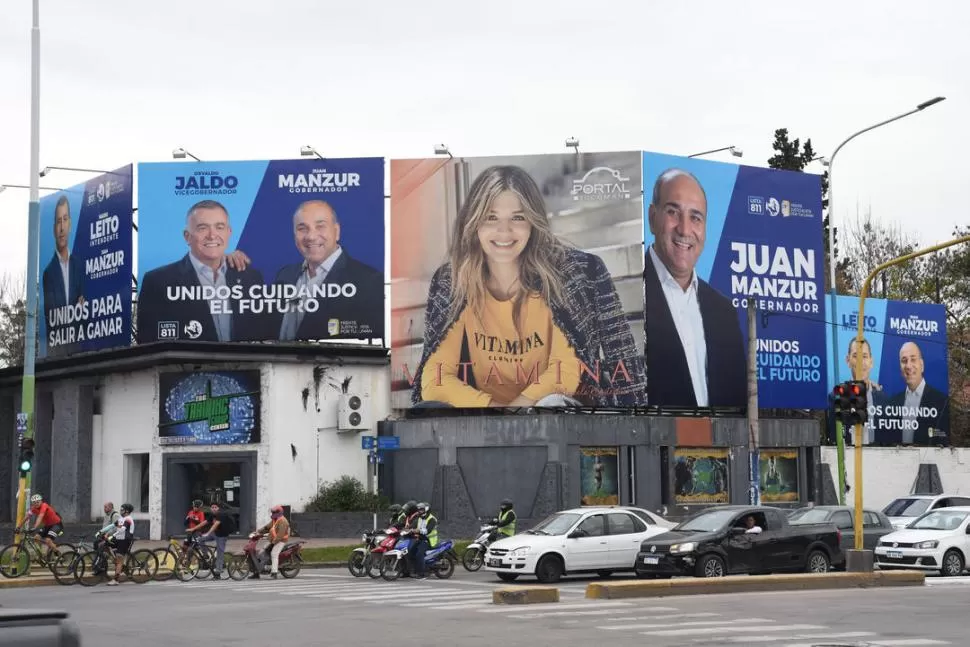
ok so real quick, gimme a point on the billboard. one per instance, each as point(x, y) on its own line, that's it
point(701, 475)
point(208, 408)
point(261, 250)
point(85, 260)
point(517, 281)
point(599, 476)
point(904, 356)
point(778, 469)
point(716, 235)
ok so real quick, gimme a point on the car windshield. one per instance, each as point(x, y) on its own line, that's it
point(556, 524)
point(808, 515)
point(939, 520)
point(907, 507)
point(707, 521)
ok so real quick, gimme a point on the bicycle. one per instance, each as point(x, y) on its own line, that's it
point(15, 559)
point(66, 567)
point(196, 561)
point(139, 566)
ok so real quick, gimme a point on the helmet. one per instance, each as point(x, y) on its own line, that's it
point(395, 508)
point(127, 508)
point(36, 498)
point(423, 507)
point(410, 506)
point(197, 503)
point(275, 509)
point(506, 504)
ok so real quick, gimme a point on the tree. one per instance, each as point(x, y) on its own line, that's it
point(871, 243)
point(793, 156)
point(13, 319)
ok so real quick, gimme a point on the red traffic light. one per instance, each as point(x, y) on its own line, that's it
point(856, 390)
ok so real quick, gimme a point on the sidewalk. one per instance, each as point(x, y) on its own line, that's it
point(236, 543)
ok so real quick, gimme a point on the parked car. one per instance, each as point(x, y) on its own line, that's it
point(602, 540)
point(874, 524)
point(650, 518)
point(939, 540)
point(906, 509)
point(717, 542)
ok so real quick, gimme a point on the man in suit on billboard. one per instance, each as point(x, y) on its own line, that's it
point(918, 401)
point(316, 232)
point(877, 397)
point(207, 233)
point(694, 347)
point(64, 276)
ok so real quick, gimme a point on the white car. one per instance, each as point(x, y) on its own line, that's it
point(599, 540)
point(937, 541)
point(904, 510)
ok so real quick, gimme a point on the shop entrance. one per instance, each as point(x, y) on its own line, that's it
point(228, 479)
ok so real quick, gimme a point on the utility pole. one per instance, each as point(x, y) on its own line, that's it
point(754, 477)
point(33, 254)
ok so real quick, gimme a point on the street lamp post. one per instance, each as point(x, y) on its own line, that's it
point(840, 441)
point(33, 254)
point(735, 151)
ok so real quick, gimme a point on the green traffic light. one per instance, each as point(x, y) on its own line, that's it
point(25, 466)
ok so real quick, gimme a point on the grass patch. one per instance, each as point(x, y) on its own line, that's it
point(341, 553)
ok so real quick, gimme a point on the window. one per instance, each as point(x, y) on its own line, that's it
point(959, 501)
point(622, 523)
point(136, 481)
point(842, 519)
point(870, 520)
point(593, 526)
point(642, 514)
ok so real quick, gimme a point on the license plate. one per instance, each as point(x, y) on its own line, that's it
point(651, 560)
point(894, 554)
point(494, 563)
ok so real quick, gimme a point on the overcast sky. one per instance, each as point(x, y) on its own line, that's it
point(127, 81)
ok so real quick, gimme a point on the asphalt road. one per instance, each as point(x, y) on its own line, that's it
point(331, 607)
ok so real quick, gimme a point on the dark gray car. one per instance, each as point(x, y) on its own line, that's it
point(874, 523)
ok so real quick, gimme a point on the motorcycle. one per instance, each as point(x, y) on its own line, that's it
point(376, 555)
point(474, 556)
point(290, 562)
point(439, 561)
point(359, 561)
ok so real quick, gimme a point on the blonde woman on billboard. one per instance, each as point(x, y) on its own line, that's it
point(516, 318)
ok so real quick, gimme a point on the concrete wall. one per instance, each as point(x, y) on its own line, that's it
point(891, 472)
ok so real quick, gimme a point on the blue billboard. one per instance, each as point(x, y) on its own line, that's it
point(904, 362)
point(715, 236)
point(288, 250)
point(209, 408)
point(85, 265)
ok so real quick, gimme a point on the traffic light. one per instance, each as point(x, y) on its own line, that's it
point(858, 403)
point(26, 461)
point(840, 402)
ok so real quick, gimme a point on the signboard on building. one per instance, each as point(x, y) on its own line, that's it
point(517, 281)
point(209, 408)
point(744, 233)
point(904, 359)
point(261, 250)
point(86, 263)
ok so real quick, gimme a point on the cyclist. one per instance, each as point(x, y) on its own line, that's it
point(46, 515)
point(107, 522)
point(195, 521)
point(221, 527)
point(122, 536)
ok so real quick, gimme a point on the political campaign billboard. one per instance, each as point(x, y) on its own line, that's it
point(85, 264)
point(717, 235)
point(285, 250)
point(516, 281)
point(904, 363)
point(208, 408)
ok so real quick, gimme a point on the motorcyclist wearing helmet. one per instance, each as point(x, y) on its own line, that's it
point(123, 534)
point(278, 530)
point(395, 511)
point(425, 527)
point(408, 510)
point(506, 519)
point(48, 523)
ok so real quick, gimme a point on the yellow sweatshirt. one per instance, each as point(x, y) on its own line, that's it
point(534, 363)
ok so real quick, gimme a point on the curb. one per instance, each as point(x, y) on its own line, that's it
point(752, 583)
point(26, 582)
point(526, 595)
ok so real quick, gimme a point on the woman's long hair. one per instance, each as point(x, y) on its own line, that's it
point(539, 262)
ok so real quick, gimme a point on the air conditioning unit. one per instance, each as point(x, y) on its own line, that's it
point(353, 412)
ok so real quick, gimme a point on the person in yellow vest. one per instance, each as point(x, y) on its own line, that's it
point(506, 519)
point(278, 530)
point(425, 526)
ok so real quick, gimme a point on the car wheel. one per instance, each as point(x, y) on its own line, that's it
point(817, 562)
point(952, 563)
point(508, 577)
point(711, 566)
point(549, 569)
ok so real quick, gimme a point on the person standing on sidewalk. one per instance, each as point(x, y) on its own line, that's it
point(221, 526)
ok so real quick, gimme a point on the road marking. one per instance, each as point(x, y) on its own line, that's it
point(410, 593)
point(733, 629)
point(774, 639)
point(543, 614)
point(660, 616)
point(698, 623)
point(504, 608)
point(462, 607)
point(463, 599)
point(909, 641)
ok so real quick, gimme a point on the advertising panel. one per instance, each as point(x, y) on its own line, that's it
point(715, 235)
point(701, 475)
point(85, 260)
point(517, 281)
point(599, 475)
point(779, 475)
point(904, 356)
point(261, 250)
point(208, 408)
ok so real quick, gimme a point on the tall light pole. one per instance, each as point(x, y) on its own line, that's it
point(840, 441)
point(33, 254)
point(735, 151)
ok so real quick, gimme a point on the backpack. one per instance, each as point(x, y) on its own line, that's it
point(229, 523)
